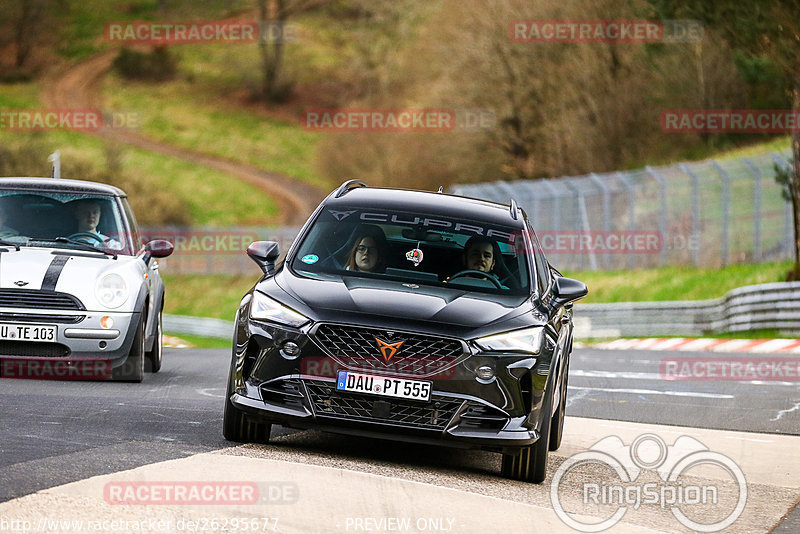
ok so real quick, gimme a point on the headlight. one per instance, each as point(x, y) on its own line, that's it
point(111, 290)
point(263, 307)
point(526, 340)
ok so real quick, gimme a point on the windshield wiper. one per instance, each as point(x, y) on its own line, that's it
point(85, 246)
point(9, 244)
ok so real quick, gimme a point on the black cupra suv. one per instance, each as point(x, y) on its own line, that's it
point(408, 315)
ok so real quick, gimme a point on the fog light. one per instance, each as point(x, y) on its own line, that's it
point(106, 322)
point(484, 372)
point(290, 349)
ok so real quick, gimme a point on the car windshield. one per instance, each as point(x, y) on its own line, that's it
point(62, 220)
point(417, 249)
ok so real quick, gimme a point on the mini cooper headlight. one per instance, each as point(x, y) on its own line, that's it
point(111, 290)
point(263, 307)
point(525, 340)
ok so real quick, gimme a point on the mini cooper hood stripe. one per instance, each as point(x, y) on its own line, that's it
point(53, 272)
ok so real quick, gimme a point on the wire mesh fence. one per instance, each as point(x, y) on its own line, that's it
point(705, 214)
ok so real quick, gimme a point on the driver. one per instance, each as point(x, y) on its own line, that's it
point(87, 214)
point(478, 256)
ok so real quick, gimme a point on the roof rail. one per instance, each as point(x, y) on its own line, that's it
point(512, 207)
point(347, 186)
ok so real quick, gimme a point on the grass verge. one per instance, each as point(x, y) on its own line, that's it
point(675, 283)
point(201, 342)
point(215, 296)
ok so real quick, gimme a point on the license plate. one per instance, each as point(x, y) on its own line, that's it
point(28, 332)
point(387, 387)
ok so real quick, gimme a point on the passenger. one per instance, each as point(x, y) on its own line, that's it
point(369, 251)
point(87, 213)
point(5, 231)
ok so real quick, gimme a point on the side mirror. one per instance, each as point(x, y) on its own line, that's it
point(264, 253)
point(159, 248)
point(566, 290)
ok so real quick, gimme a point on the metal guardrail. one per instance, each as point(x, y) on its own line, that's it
point(198, 326)
point(774, 305)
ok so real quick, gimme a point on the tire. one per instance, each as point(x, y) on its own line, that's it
point(557, 425)
point(530, 464)
point(133, 368)
point(155, 356)
point(237, 427)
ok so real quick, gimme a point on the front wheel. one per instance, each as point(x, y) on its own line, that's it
point(155, 356)
point(237, 427)
point(133, 368)
point(530, 464)
point(557, 425)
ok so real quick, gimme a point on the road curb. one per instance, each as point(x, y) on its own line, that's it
point(701, 344)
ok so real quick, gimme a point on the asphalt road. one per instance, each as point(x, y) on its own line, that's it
point(55, 432)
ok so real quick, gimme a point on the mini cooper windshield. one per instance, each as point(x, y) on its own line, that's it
point(62, 220)
point(416, 249)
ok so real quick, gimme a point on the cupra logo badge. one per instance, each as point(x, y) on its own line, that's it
point(388, 349)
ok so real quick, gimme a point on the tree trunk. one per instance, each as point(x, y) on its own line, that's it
point(794, 190)
point(271, 13)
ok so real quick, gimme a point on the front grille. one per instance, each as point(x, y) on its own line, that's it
point(38, 318)
point(35, 298)
point(419, 354)
point(29, 348)
point(328, 402)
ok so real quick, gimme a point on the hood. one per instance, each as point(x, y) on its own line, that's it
point(66, 271)
point(396, 300)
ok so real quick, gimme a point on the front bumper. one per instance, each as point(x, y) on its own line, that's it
point(500, 414)
point(79, 335)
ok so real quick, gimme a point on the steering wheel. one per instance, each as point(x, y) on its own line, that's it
point(82, 236)
point(481, 274)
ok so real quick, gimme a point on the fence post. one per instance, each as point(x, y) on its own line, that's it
point(606, 209)
point(695, 217)
point(584, 220)
point(662, 215)
point(756, 209)
point(631, 190)
point(725, 207)
point(788, 219)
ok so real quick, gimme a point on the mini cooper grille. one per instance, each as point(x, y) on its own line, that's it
point(34, 298)
point(433, 415)
point(358, 347)
point(39, 318)
point(26, 348)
